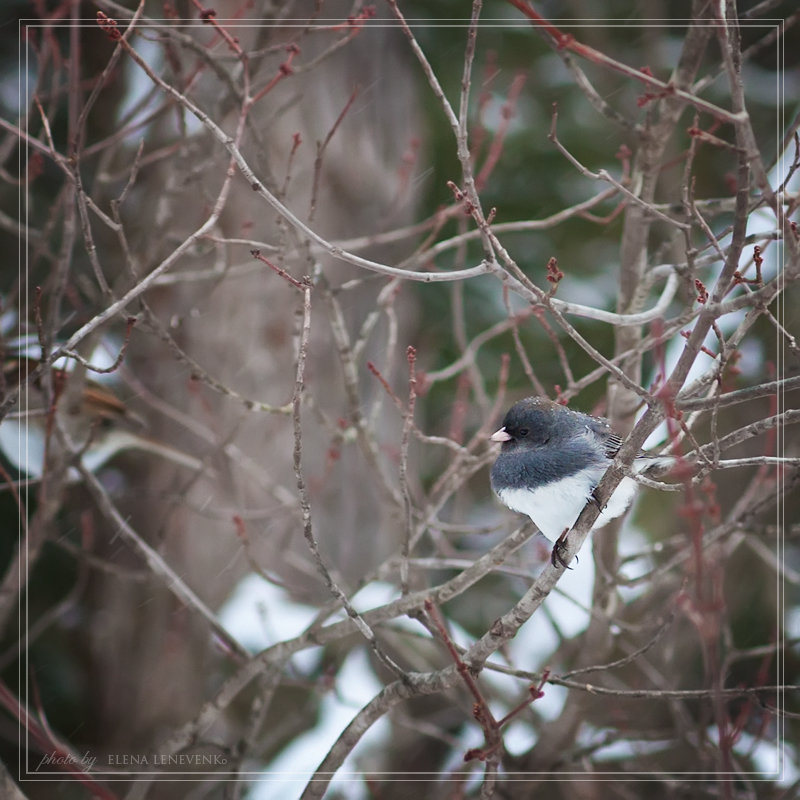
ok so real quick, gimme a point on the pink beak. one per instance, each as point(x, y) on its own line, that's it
point(501, 436)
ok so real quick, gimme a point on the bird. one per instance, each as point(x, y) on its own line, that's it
point(100, 424)
point(550, 462)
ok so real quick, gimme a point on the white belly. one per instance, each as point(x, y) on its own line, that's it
point(555, 507)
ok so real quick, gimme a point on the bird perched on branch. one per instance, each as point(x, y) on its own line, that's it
point(99, 423)
point(550, 463)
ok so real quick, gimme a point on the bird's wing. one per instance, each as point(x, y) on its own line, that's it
point(612, 444)
point(605, 436)
point(613, 441)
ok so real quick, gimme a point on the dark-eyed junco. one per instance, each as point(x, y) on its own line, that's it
point(551, 461)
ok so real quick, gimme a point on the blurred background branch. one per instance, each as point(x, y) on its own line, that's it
point(283, 266)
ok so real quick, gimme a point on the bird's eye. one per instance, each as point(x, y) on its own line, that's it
point(523, 432)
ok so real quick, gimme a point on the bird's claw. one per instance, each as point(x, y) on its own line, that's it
point(557, 557)
point(594, 501)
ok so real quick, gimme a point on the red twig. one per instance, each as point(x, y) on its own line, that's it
point(496, 146)
point(297, 140)
point(321, 151)
point(209, 17)
point(355, 22)
point(284, 70)
point(282, 272)
point(703, 348)
point(377, 373)
point(657, 88)
point(709, 138)
point(535, 693)
point(480, 709)
point(461, 197)
point(758, 260)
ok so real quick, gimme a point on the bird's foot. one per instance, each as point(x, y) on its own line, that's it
point(594, 501)
point(557, 556)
